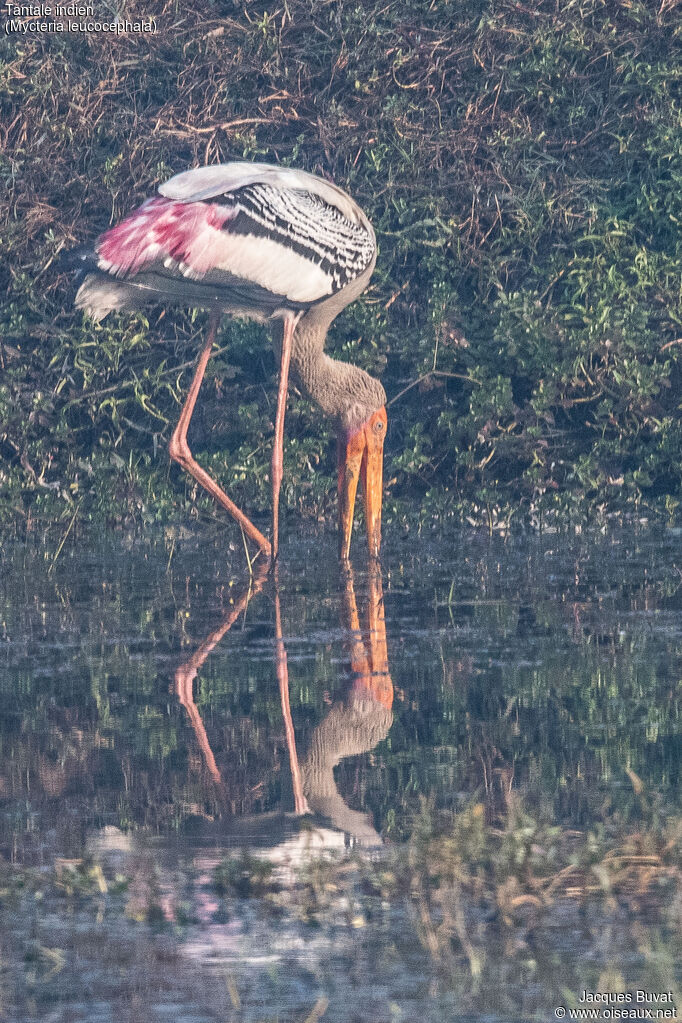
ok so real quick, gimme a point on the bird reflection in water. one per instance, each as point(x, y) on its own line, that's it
point(354, 724)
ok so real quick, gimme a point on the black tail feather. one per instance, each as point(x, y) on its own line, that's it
point(77, 261)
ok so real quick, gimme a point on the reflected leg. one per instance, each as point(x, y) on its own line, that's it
point(187, 672)
point(300, 802)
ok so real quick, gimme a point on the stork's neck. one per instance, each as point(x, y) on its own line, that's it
point(344, 392)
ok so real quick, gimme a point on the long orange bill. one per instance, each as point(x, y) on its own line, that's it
point(361, 457)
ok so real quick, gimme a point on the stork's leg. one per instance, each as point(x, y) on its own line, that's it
point(277, 468)
point(300, 802)
point(180, 452)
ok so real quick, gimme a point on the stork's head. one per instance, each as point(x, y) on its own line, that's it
point(361, 457)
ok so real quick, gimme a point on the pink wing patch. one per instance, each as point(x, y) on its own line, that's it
point(165, 230)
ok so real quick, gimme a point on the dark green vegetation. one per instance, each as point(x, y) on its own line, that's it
point(522, 165)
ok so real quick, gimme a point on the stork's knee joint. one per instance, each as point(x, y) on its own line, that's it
point(179, 450)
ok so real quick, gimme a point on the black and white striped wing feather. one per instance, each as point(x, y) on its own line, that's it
point(294, 244)
point(301, 237)
point(249, 238)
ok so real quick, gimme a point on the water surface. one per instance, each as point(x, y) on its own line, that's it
point(160, 711)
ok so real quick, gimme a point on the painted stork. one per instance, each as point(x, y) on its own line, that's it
point(271, 244)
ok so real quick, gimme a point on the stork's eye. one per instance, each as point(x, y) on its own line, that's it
point(378, 426)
